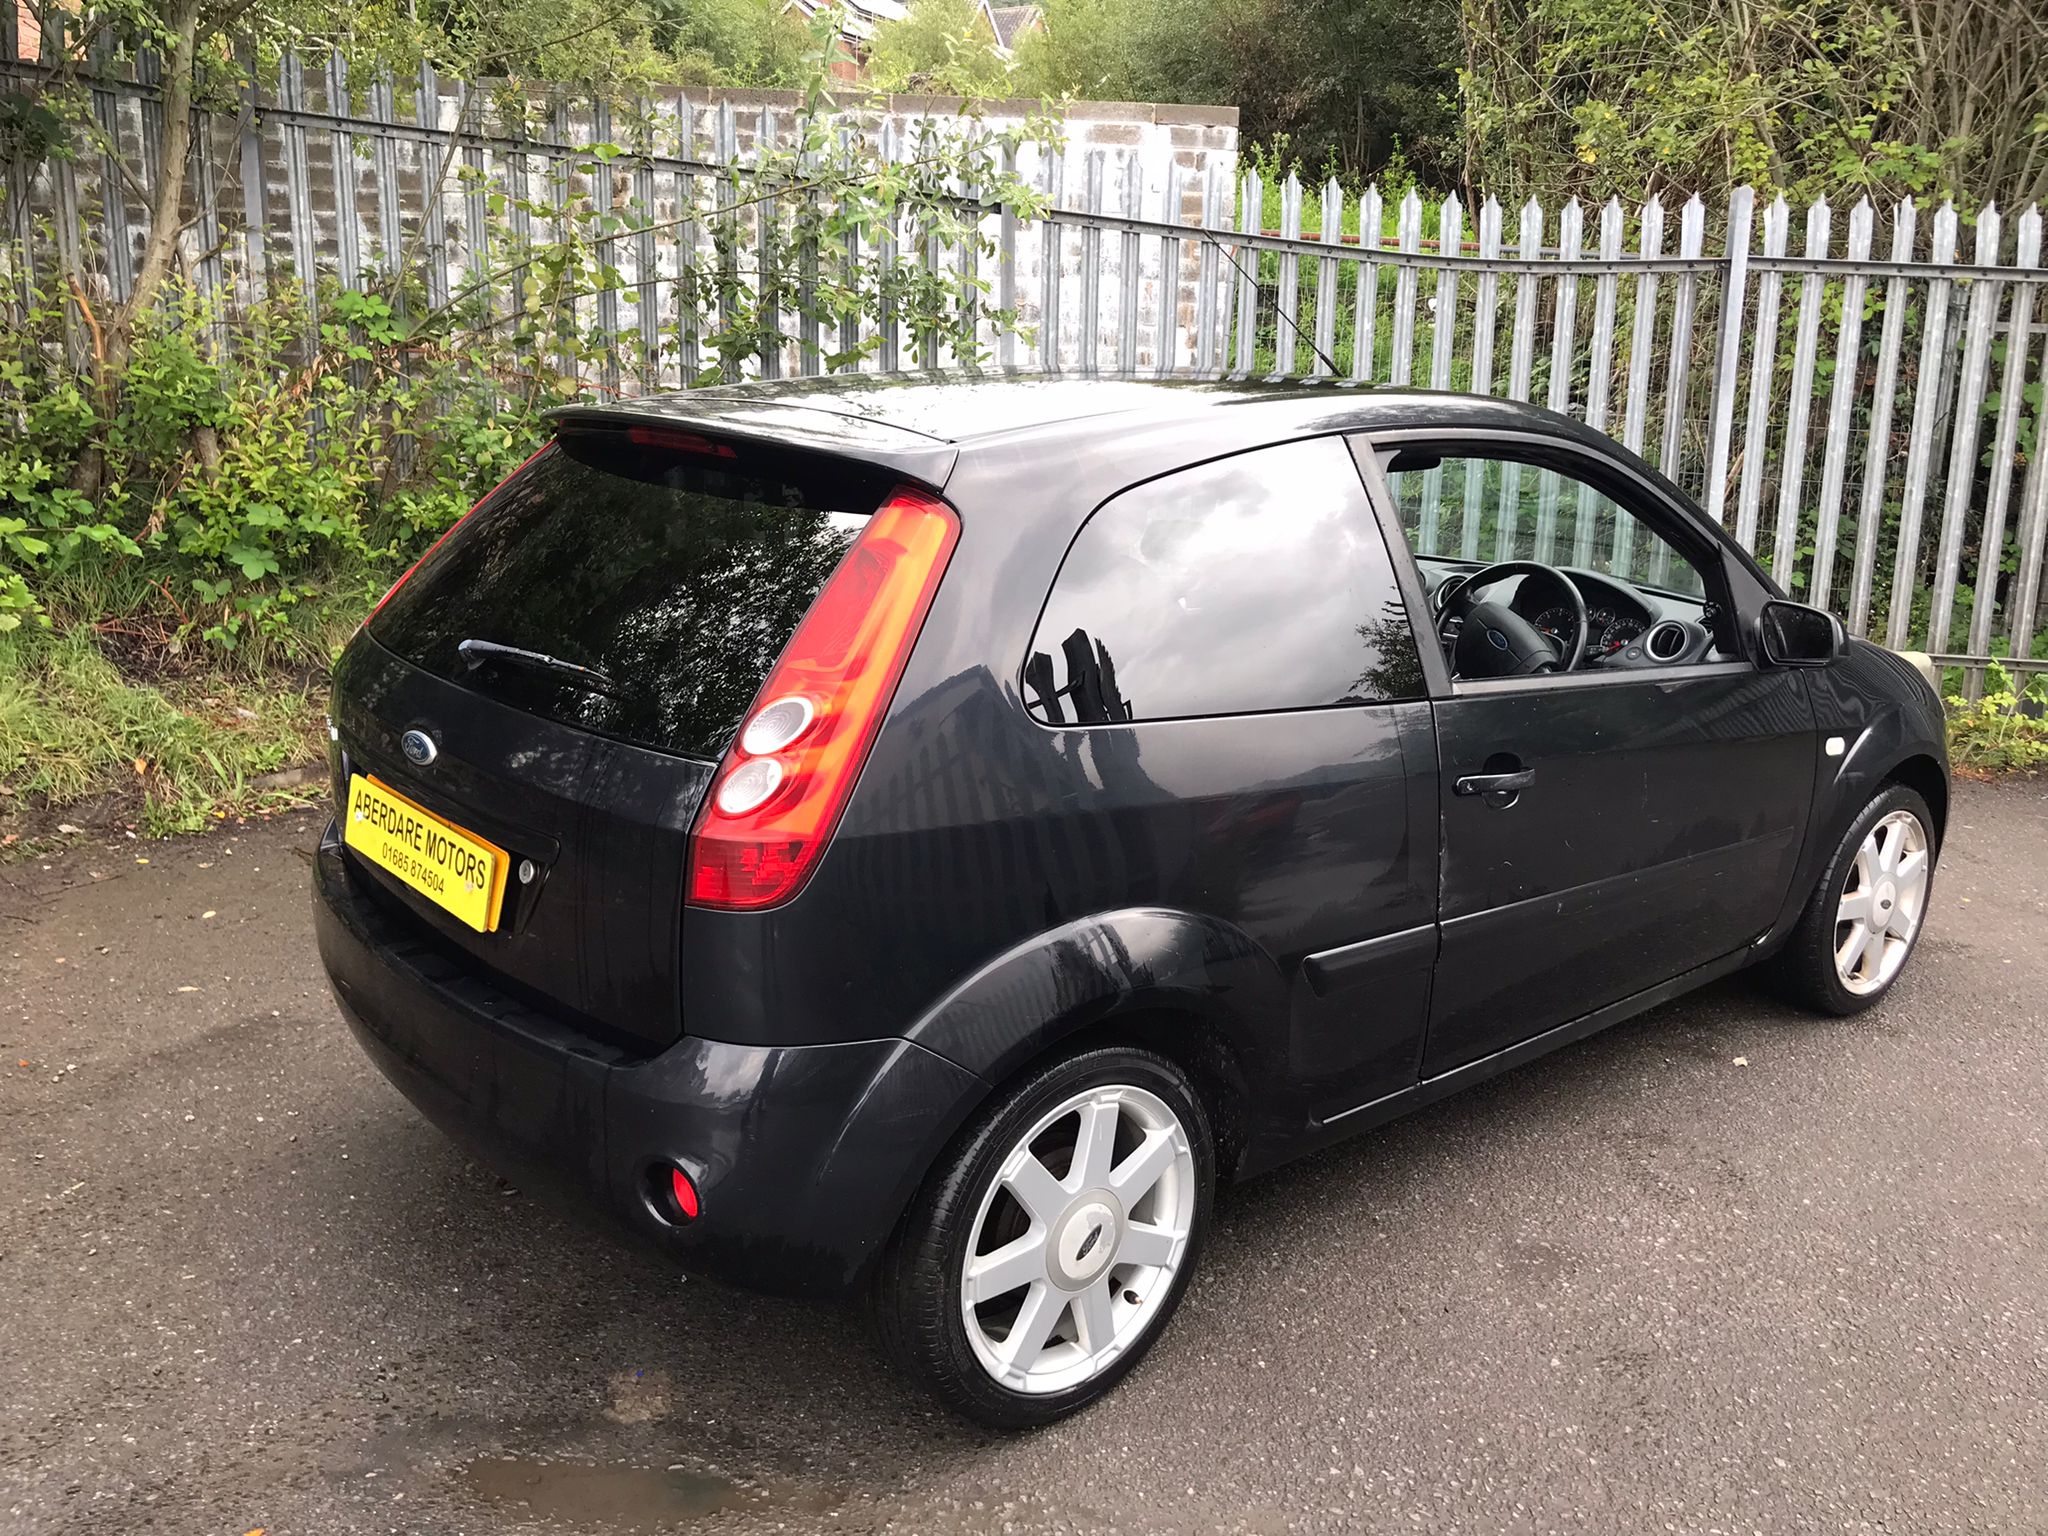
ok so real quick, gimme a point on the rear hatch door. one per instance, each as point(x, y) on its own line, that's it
point(579, 653)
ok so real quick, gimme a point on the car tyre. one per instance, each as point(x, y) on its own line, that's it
point(1860, 926)
point(1053, 1239)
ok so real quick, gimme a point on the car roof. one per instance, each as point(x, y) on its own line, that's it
point(963, 407)
point(900, 418)
point(919, 425)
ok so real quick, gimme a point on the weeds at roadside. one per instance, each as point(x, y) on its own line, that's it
point(177, 752)
point(2006, 731)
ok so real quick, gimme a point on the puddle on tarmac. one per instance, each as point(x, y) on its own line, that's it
point(624, 1496)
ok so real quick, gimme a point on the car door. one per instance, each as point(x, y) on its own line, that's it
point(1651, 814)
point(1232, 702)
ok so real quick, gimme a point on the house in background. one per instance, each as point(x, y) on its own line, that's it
point(858, 20)
point(28, 30)
point(1011, 22)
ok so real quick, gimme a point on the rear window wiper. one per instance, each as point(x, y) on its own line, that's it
point(475, 653)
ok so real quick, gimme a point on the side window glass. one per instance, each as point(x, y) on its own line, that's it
point(1258, 582)
point(1492, 509)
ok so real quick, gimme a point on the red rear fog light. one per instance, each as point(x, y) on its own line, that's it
point(684, 1194)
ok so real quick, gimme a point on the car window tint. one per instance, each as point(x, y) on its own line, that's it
point(1258, 582)
point(677, 576)
point(1503, 509)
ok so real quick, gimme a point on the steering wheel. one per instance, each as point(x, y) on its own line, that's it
point(1496, 641)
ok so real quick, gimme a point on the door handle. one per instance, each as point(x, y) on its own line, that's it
point(1496, 783)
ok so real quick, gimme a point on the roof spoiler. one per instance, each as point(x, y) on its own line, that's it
point(926, 461)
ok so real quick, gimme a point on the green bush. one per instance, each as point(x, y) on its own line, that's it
point(252, 503)
point(2004, 731)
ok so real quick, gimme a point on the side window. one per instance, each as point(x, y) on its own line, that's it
point(1257, 582)
point(1492, 509)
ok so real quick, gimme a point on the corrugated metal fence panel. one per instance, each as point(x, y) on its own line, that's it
point(1365, 311)
point(1984, 296)
point(1485, 312)
point(1635, 413)
point(1727, 354)
point(1051, 259)
point(1402, 368)
point(1600, 375)
point(1287, 300)
point(1327, 269)
point(1927, 409)
point(436, 170)
point(1763, 363)
point(1443, 337)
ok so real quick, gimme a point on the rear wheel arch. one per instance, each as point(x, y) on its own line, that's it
point(1147, 977)
point(1185, 1036)
point(1104, 971)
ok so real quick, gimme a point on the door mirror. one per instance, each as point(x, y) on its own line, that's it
point(1795, 635)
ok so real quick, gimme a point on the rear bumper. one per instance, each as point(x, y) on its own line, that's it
point(803, 1156)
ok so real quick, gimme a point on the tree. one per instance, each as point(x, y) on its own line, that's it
point(1611, 96)
point(693, 42)
point(614, 41)
point(1350, 84)
point(1343, 84)
point(1084, 50)
point(732, 42)
point(945, 47)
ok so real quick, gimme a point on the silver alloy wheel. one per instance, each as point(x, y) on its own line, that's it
point(1065, 1272)
point(1883, 900)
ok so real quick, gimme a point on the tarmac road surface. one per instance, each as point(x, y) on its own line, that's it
point(1723, 1268)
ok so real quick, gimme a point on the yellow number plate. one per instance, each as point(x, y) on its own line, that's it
point(450, 867)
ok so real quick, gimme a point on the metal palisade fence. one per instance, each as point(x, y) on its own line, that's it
point(1858, 393)
point(323, 181)
point(1865, 413)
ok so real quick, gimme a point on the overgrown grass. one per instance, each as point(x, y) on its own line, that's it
point(179, 751)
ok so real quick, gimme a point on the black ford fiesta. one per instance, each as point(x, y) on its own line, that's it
point(915, 837)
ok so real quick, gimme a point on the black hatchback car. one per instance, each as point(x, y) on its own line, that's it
point(916, 836)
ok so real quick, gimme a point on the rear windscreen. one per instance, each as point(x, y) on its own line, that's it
point(674, 578)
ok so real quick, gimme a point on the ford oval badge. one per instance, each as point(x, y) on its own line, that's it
point(418, 747)
point(1500, 643)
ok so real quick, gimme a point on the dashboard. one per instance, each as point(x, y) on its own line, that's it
point(1619, 616)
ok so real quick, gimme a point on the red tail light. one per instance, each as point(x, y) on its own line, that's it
point(784, 780)
point(390, 591)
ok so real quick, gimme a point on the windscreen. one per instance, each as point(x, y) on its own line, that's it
point(639, 585)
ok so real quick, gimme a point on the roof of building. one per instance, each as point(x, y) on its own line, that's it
point(1012, 22)
point(860, 17)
